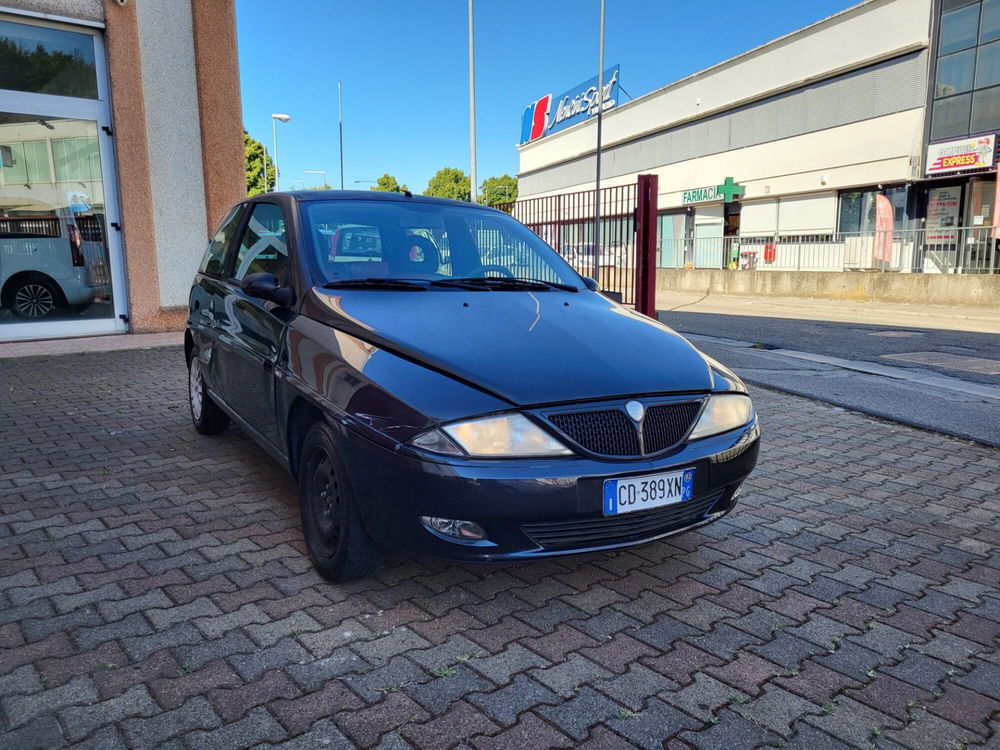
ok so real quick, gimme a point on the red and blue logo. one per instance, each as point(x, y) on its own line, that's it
point(535, 119)
point(550, 114)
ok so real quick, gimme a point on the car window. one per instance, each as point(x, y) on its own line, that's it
point(427, 241)
point(499, 246)
point(263, 247)
point(215, 257)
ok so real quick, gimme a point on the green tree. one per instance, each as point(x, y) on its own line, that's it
point(256, 156)
point(389, 184)
point(496, 190)
point(450, 182)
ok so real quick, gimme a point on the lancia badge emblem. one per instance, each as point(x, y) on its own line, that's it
point(635, 410)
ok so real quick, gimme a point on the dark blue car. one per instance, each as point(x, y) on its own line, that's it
point(439, 381)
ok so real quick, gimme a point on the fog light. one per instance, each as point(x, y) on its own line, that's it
point(468, 530)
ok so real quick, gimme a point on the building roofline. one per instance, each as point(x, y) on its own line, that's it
point(730, 62)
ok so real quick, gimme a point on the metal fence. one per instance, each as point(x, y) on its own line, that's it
point(566, 223)
point(951, 250)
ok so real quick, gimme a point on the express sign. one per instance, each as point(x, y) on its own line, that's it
point(548, 115)
point(956, 156)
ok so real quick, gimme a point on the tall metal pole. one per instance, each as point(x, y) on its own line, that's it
point(264, 149)
point(472, 111)
point(274, 134)
point(340, 112)
point(600, 117)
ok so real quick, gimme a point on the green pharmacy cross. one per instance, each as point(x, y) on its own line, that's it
point(729, 190)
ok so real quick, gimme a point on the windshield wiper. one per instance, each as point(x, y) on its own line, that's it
point(373, 283)
point(505, 282)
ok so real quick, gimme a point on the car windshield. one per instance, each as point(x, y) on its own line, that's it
point(436, 244)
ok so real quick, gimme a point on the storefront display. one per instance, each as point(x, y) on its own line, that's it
point(60, 258)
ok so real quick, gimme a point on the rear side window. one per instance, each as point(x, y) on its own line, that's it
point(215, 256)
point(263, 247)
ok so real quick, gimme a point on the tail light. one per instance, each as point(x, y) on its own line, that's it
point(75, 242)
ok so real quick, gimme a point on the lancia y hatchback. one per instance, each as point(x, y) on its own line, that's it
point(439, 381)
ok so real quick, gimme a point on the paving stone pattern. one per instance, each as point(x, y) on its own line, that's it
point(154, 592)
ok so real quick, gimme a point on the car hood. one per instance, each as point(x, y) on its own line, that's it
point(528, 348)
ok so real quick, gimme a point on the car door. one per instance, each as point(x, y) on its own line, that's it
point(206, 305)
point(252, 329)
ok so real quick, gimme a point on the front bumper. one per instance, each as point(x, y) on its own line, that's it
point(536, 508)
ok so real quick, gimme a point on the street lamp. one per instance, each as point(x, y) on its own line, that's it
point(274, 132)
point(318, 171)
point(373, 182)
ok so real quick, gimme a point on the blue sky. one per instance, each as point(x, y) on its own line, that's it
point(403, 64)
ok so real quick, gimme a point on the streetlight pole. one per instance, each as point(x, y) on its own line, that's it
point(340, 114)
point(472, 111)
point(597, 183)
point(318, 171)
point(274, 134)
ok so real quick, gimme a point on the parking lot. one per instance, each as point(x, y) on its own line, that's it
point(155, 592)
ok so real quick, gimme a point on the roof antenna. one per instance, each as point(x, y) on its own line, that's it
point(407, 193)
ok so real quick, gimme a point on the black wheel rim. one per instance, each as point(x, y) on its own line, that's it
point(324, 505)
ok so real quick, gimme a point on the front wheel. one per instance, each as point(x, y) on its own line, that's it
point(206, 415)
point(338, 544)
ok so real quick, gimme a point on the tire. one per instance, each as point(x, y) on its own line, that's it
point(34, 298)
point(206, 415)
point(337, 542)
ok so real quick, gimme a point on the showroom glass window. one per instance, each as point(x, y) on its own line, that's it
point(966, 88)
point(856, 209)
point(57, 262)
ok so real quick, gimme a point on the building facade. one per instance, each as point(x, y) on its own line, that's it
point(120, 148)
point(866, 141)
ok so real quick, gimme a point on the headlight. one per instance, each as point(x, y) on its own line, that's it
point(723, 412)
point(506, 436)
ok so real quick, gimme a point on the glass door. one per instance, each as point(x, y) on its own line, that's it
point(61, 271)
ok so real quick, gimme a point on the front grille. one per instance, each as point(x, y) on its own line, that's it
point(597, 531)
point(609, 432)
point(666, 424)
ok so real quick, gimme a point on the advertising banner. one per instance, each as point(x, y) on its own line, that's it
point(551, 114)
point(942, 215)
point(884, 220)
point(961, 155)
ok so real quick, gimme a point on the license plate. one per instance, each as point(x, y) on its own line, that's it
point(645, 492)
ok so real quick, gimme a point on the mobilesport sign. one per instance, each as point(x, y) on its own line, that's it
point(548, 115)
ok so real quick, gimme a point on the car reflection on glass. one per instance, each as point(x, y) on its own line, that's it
point(448, 385)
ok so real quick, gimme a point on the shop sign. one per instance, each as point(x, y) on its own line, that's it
point(958, 156)
point(727, 192)
point(550, 115)
point(942, 215)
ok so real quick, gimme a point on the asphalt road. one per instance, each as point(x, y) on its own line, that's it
point(853, 341)
point(851, 371)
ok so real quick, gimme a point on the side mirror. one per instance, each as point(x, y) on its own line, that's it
point(591, 284)
point(266, 286)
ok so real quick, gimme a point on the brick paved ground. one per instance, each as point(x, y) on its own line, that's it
point(154, 592)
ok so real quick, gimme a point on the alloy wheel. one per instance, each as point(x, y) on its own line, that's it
point(34, 300)
point(196, 388)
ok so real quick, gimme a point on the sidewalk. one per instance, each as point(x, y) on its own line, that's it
point(88, 344)
point(974, 319)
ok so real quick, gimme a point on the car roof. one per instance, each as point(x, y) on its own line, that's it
point(308, 196)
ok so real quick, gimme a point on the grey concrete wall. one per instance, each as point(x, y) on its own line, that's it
point(969, 290)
